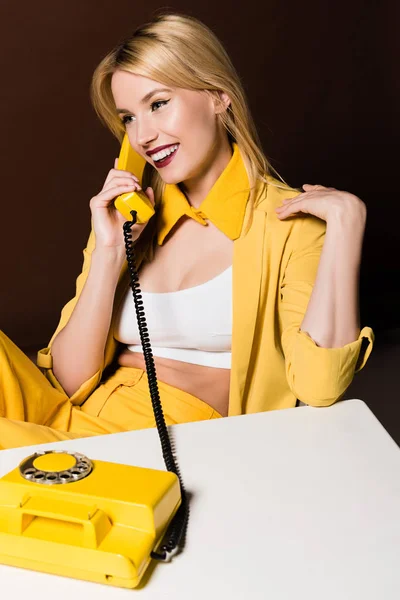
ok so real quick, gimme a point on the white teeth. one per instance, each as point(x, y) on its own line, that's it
point(163, 153)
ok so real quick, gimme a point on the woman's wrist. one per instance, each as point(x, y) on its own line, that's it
point(108, 261)
point(348, 221)
point(345, 234)
point(109, 255)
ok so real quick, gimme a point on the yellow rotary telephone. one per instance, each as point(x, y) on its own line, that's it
point(65, 514)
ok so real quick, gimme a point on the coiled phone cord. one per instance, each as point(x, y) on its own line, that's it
point(177, 527)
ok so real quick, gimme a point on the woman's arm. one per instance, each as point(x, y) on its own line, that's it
point(78, 349)
point(332, 315)
point(319, 375)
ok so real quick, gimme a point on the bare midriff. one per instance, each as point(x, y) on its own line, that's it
point(209, 384)
point(192, 256)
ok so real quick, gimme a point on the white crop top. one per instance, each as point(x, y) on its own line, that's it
point(193, 325)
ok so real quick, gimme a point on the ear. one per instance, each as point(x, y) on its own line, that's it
point(221, 101)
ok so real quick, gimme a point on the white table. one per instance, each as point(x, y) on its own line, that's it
point(294, 504)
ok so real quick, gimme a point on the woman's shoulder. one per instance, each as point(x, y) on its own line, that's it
point(272, 192)
point(303, 229)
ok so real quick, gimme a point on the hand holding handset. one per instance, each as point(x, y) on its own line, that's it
point(129, 160)
point(95, 520)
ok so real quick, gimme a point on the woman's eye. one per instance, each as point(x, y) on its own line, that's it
point(127, 119)
point(159, 102)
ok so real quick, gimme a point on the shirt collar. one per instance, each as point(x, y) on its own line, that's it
point(224, 205)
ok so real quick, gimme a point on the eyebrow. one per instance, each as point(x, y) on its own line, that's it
point(146, 98)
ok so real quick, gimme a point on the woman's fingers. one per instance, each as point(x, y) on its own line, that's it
point(121, 181)
point(150, 194)
point(302, 203)
point(292, 208)
point(106, 196)
point(119, 173)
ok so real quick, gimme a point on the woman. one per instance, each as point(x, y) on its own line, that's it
point(250, 286)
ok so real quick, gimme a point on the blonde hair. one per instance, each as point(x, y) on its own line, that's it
point(180, 51)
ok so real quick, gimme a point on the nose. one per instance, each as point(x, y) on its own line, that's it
point(145, 132)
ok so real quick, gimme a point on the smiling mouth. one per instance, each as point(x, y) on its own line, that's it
point(164, 159)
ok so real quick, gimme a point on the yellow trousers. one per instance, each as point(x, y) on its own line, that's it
point(32, 411)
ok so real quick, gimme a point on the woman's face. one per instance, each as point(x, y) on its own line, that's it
point(174, 116)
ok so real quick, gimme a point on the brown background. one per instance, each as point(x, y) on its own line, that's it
point(322, 81)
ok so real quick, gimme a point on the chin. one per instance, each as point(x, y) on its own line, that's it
point(171, 178)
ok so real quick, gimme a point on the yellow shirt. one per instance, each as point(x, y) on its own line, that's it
point(274, 268)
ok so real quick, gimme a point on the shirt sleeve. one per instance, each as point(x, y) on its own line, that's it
point(44, 357)
point(317, 376)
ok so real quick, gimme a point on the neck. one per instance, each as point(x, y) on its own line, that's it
point(197, 188)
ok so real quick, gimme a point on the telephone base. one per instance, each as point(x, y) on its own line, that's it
point(63, 514)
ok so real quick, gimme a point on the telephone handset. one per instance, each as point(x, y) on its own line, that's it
point(65, 514)
point(129, 160)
